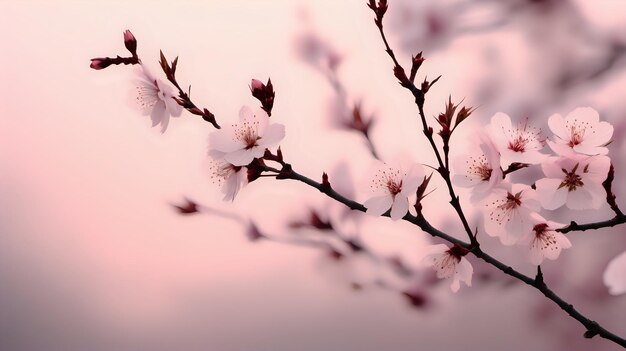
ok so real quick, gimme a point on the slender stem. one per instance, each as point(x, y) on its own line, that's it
point(573, 226)
point(443, 170)
point(370, 146)
point(593, 328)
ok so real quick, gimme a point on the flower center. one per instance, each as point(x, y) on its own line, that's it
point(543, 237)
point(512, 201)
point(388, 179)
point(571, 181)
point(248, 133)
point(576, 136)
point(394, 187)
point(518, 145)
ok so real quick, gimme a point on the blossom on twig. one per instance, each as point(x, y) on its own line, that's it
point(156, 98)
point(580, 132)
point(543, 241)
point(508, 212)
point(516, 143)
point(573, 181)
point(392, 185)
point(231, 178)
point(450, 263)
point(478, 169)
point(246, 140)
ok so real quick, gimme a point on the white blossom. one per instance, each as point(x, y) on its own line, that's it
point(517, 143)
point(574, 181)
point(543, 241)
point(478, 169)
point(156, 98)
point(580, 132)
point(450, 263)
point(508, 210)
point(231, 178)
point(246, 140)
point(391, 186)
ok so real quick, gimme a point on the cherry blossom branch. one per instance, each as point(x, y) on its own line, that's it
point(593, 328)
point(515, 166)
point(184, 98)
point(619, 218)
point(420, 98)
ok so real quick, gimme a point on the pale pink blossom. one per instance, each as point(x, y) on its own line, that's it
point(156, 98)
point(615, 275)
point(574, 181)
point(517, 143)
point(391, 187)
point(508, 210)
point(581, 132)
point(246, 140)
point(231, 178)
point(450, 263)
point(543, 241)
point(478, 169)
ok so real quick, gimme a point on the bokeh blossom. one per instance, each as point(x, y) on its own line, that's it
point(615, 275)
point(246, 140)
point(450, 263)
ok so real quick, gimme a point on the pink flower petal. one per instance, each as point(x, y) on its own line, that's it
point(557, 126)
point(243, 157)
point(378, 205)
point(273, 135)
point(549, 194)
point(400, 207)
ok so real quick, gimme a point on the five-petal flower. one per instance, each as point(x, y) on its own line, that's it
point(508, 210)
point(244, 141)
point(478, 169)
point(516, 143)
point(580, 132)
point(574, 181)
point(450, 263)
point(156, 98)
point(392, 185)
point(230, 177)
point(543, 241)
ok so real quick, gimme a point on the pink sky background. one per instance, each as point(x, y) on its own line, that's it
point(93, 257)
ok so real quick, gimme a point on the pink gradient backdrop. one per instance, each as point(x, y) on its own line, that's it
point(92, 256)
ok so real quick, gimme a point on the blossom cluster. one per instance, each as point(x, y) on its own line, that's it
point(574, 174)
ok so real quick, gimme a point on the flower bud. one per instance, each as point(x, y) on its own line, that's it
point(100, 63)
point(264, 93)
point(130, 42)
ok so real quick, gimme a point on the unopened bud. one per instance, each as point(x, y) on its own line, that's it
point(130, 42)
point(100, 63)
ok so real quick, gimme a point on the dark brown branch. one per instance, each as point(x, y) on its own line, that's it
point(419, 95)
point(593, 328)
point(573, 226)
point(184, 99)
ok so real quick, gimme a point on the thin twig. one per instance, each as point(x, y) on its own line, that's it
point(593, 328)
